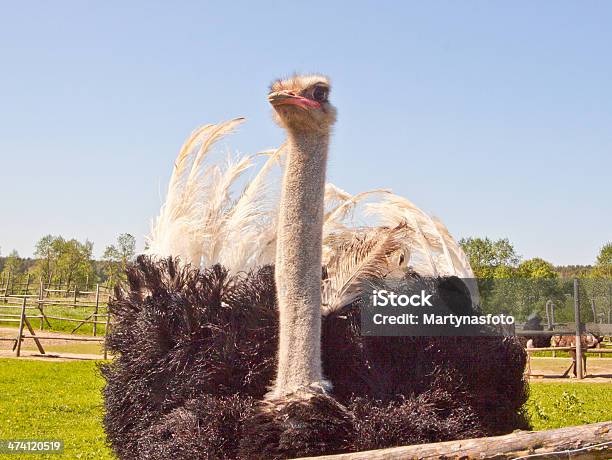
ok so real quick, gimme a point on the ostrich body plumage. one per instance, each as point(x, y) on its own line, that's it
point(196, 350)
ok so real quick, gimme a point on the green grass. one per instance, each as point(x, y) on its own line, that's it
point(62, 400)
point(556, 404)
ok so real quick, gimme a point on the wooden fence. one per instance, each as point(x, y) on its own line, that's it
point(573, 365)
point(20, 304)
point(25, 284)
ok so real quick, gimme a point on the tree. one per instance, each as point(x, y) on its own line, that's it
point(47, 250)
point(597, 290)
point(506, 285)
point(490, 259)
point(12, 264)
point(574, 271)
point(117, 256)
point(536, 268)
point(65, 261)
point(603, 267)
point(74, 262)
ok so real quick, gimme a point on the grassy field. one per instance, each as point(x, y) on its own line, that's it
point(558, 404)
point(62, 400)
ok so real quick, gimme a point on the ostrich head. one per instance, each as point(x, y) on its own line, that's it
point(301, 103)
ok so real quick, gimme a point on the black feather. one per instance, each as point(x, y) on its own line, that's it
point(195, 352)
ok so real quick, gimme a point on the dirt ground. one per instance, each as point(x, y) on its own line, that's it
point(549, 369)
point(55, 349)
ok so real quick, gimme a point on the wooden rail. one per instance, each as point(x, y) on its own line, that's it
point(53, 337)
point(588, 350)
point(592, 442)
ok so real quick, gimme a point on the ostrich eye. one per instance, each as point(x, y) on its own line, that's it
point(319, 94)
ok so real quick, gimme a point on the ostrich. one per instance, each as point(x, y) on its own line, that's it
point(302, 108)
point(206, 323)
point(587, 341)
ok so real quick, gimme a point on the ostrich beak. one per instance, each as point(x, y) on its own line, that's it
point(286, 98)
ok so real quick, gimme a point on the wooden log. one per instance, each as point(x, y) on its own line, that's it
point(95, 326)
point(40, 306)
point(17, 316)
point(20, 333)
point(66, 303)
point(74, 320)
point(592, 442)
point(86, 320)
point(33, 336)
point(531, 350)
point(579, 370)
point(106, 331)
point(73, 339)
point(8, 280)
point(12, 307)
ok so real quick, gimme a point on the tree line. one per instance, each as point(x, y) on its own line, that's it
point(498, 259)
point(58, 260)
point(507, 283)
point(69, 262)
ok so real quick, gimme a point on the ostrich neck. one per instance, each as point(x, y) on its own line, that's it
point(298, 263)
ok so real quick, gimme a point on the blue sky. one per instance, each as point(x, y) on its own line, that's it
point(494, 116)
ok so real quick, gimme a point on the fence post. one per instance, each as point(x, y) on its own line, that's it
point(6, 288)
point(95, 324)
point(27, 289)
point(21, 323)
point(41, 303)
point(552, 318)
point(548, 319)
point(578, 329)
point(610, 303)
point(106, 332)
point(75, 294)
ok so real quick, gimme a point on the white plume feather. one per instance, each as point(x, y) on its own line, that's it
point(202, 223)
point(176, 231)
point(356, 259)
